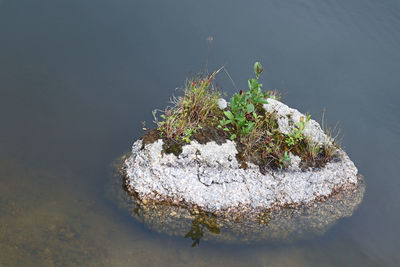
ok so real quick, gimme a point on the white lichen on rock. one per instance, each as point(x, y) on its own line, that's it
point(288, 118)
point(209, 175)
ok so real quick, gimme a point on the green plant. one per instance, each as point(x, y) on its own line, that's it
point(318, 154)
point(187, 134)
point(144, 126)
point(329, 147)
point(242, 116)
point(313, 150)
point(332, 133)
point(284, 160)
point(310, 153)
point(197, 107)
point(296, 136)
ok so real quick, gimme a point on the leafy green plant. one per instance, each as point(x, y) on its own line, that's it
point(242, 116)
point(284, 160)
point(296, 136)
point(187, 134)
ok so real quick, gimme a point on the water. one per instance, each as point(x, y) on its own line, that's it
point(77, 78)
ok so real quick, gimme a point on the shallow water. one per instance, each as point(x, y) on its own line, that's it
point(77, 78)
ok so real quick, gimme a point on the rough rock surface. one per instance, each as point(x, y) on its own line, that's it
point(209, 175)
point(288, 117)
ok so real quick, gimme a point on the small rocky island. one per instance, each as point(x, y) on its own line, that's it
point(239, 159)
point(210, 177)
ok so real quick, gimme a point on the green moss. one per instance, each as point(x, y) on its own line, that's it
point(172, 146)
point(211, 133)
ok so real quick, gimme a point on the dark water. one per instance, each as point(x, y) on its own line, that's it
point(77, 78)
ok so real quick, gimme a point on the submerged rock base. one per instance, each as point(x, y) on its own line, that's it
point(286, 224)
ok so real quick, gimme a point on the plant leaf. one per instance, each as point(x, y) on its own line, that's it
point(253, 84)
point(229, 115)
point(258, 68)
point(262, 100)
point(250, 108)
point(241, 120)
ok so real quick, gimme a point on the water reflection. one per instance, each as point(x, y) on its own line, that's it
point(201, 221)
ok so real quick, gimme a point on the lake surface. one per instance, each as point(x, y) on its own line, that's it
point(77, 78)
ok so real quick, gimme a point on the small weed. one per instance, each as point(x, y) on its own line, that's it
point(311, 154)
point(187, 134)
point(296, 136)
point(333, 134)
point(284, 161)
point(196, 109)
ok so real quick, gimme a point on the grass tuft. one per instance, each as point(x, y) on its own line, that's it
point(197, 108)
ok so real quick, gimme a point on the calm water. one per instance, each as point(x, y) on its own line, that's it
point(77, 78)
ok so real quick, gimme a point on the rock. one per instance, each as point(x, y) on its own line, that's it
point(222, 104)
point(209, 176)
point(288, 117)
